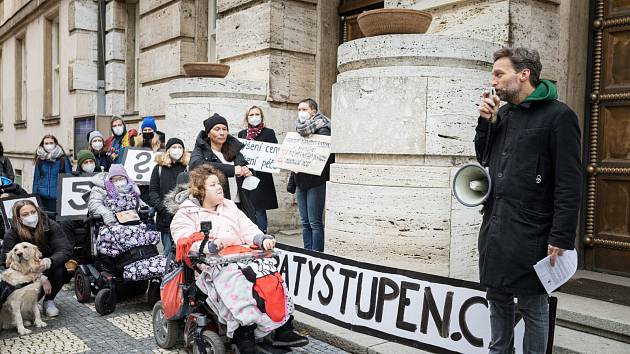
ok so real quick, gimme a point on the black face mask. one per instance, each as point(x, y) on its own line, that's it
point(147, 136)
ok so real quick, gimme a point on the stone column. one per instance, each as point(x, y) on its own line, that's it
point(403, 118)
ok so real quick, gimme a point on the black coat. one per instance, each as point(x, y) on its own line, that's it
point(264, 196)
point(54, 245)
point(163, 181)
point(537, 186)
point(202, 153)
point(305, 180)
point(103, 160)
point(6, 169)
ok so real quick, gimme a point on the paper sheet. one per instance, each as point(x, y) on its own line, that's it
point(250, 183)
point(552, 277)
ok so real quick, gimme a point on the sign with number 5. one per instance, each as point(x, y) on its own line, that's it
point(72, 198)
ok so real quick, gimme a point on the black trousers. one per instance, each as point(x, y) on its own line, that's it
point(58, 275)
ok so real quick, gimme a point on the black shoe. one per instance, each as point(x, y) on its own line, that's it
point(285, 336)
point(244, 341)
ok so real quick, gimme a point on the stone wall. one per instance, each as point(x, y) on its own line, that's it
point(403, 121)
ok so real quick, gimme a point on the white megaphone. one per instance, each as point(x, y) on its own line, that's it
point(472, 185)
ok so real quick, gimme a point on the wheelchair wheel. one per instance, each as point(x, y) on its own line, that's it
point(82, 287)
point(153, 294)
point(166, 332)
point(214, 344)
point(105, 302)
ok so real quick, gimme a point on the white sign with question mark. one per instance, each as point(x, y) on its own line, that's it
point(139, 164)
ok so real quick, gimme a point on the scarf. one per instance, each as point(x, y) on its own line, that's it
point(113, 193)
point(253, 132)
point(118, 145)
point(311, 125)
point(54, 155)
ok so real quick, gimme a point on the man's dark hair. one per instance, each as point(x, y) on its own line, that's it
point(311, 103)
point(522, 58)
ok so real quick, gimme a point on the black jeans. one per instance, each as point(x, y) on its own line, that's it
point(58, 275)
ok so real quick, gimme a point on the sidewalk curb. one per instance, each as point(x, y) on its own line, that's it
point(353, 342)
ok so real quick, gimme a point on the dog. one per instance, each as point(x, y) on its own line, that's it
point(24, 276)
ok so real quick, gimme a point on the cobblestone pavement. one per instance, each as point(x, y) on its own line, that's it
point(80, 329)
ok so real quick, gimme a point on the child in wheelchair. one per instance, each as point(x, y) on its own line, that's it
point(126, 248)
point(248, 297)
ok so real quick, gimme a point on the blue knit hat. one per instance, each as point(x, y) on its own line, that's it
point(148, 122)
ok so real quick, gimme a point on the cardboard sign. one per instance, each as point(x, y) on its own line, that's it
point(260, 156)
point(139, 164)
point(70, 202)
point(7, 207)
point(429, 312)
point(304, 155)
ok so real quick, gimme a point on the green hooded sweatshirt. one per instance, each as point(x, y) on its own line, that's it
point(545, 91)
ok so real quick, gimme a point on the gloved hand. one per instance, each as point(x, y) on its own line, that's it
point(45, 264)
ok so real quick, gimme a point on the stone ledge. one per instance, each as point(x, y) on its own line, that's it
point(415, 49)
point(217, 87)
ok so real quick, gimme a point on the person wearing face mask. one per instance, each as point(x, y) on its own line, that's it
point(216, 147)
point(170, 164)
point(120, 140)
point(50, 161)
point(230, 288)
point(97, 147)
point(150, 137)
point(30, 224)
point(310, 190)
point(264, 196)
point(116, 198)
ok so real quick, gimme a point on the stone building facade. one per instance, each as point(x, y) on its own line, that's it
point(402, 106)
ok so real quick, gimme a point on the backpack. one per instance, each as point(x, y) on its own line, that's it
point(172, 293)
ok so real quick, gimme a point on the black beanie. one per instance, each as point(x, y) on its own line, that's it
point(173, 141)
point(212, 121)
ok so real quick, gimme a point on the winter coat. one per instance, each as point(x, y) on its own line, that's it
point(202, 153)
point(229, 223)
point(45, 176)
point(305, 180)
point(6, 169)
point(264, 196)
point(163, 180)
point(103, 160)
point(54, 244)
point(536, 191)
point(98, 194)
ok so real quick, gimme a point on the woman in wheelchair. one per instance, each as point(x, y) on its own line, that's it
point(234, 290)
point(124, 239)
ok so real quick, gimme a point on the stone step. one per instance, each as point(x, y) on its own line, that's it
point(570, 341)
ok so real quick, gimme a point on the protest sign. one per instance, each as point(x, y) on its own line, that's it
point(139, 163)
point(260, 155)
point(71, 190)
point(304, 155)
point(7, 206)
point(429, 312)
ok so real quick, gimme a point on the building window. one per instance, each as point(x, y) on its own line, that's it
point(18, 176)
point(132, 59)
point(52, 82)
point(212, 31)
point(20, 79)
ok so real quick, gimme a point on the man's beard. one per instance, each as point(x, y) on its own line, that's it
point(509, 94)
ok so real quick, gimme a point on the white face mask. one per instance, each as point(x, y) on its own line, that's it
point(302, 115)
point(97, 145)
point(88, 167)
point(176, 153)
point(121, 186)
point(254, 120)
point(118, 130)
point(31, 220)
point(49, 147)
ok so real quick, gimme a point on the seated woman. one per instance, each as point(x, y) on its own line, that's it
point(229, 287)
point(30, 224)
point(116, 198)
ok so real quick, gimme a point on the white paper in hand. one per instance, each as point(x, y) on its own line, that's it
point(251, 182)
point(552, 277)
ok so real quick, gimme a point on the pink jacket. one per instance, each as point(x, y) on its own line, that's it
point(229, 224)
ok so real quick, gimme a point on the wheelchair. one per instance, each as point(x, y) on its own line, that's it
point(103, 276)
point(199, 327)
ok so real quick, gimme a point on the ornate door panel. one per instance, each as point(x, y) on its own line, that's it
point(607, 228)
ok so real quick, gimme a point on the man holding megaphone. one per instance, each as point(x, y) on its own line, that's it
point(531, 147)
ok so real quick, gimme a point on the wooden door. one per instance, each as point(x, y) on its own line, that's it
point(607, 226)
